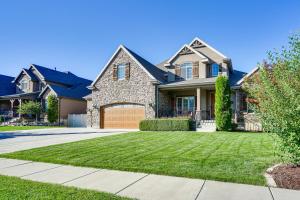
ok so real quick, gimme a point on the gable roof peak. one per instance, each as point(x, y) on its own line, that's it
point(148, 67)
point(197, 41)
point(187, 49)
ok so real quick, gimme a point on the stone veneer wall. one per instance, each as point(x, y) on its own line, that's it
point(164, 104)
point(138, 89)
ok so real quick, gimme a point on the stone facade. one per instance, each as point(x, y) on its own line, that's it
point(139, 89)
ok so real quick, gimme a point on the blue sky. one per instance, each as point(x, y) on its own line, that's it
point(80, 36)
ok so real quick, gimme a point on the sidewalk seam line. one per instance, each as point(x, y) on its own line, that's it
point(41, 171)
point(271, 193)
point(81, 176)
point(200, 189)
point(132, 183)
point(17, 164)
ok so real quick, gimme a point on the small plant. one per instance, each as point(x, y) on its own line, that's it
point(2, 119)
point(223, 110)
point(30, 108)
point(52, 108)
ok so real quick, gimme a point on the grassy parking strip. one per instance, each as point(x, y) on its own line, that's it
point(17, 128)
point(234, 157)
point(19, 189)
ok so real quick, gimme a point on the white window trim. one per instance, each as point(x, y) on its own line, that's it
point(185, 68)
point(123, 66)
point(193, 108)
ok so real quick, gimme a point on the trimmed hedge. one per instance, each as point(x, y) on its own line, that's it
point(166, 125)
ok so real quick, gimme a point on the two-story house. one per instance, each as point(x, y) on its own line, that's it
point(129, 88)
point(36, 83)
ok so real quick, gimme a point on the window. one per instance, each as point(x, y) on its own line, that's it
point(215, 70)
point(185, 105)
point(186, 70)
point(24, 85)
point(121, 71)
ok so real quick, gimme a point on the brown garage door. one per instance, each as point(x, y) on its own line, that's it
point(122, 116)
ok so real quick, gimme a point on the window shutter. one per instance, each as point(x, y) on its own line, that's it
point(127, 71)
point(177, 71)
point(196, 69)
point(115, 71)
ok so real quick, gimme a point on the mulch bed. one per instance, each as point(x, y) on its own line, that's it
point(287, 176)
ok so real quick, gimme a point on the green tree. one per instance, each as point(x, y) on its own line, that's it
point(30, 108)
point(52, 108)
point(276, 88)
point(223, 110)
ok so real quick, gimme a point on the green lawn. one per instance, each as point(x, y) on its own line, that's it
point(234, 157)
point(18, 189)
point(16, 128)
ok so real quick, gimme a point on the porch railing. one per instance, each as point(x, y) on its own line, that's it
point(195, 115)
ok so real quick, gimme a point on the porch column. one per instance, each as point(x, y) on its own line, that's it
point(198, 100)
point(12, 104)
point(20, 105)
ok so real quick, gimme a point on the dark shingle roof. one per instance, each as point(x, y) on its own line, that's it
point(66, 78)
point(235, 76)
point(6, 85)
point(31, 75)
point(75, 92)
point(157, 73)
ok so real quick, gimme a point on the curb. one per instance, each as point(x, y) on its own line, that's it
point(268, 176)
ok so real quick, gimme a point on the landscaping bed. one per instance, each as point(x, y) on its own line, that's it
point(233, 157)
point(287, 176)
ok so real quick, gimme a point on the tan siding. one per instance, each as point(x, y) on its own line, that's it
point(71, 106)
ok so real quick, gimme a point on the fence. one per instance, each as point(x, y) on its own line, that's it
point(77, 120)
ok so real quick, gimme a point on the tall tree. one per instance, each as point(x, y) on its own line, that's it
point(223, 110)
point(276, 88)
point(52, 108)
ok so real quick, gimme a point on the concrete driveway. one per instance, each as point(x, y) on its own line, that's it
point(22, 140)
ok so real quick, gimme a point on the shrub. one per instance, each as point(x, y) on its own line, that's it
point(2, 119)
point(276, 88)
point(223, 110)
point(165, 125)
point(52, 108)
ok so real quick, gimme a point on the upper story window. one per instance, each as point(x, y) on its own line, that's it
point(215, 69)
point(121, 71)
point(187, 70)
point(24, 85)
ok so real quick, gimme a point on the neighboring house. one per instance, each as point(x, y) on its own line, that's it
point(37, 82)
point(129, 88)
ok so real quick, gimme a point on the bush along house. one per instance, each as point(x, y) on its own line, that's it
point(130, 88)
point(36, 83)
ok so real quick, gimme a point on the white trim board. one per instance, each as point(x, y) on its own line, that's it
point(248, 75)
point(204, 59)
point(208, 46)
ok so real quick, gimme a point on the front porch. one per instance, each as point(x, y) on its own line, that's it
point(9, 104)
point(195, 102)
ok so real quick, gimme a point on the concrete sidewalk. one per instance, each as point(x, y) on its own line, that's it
point(140, 185)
